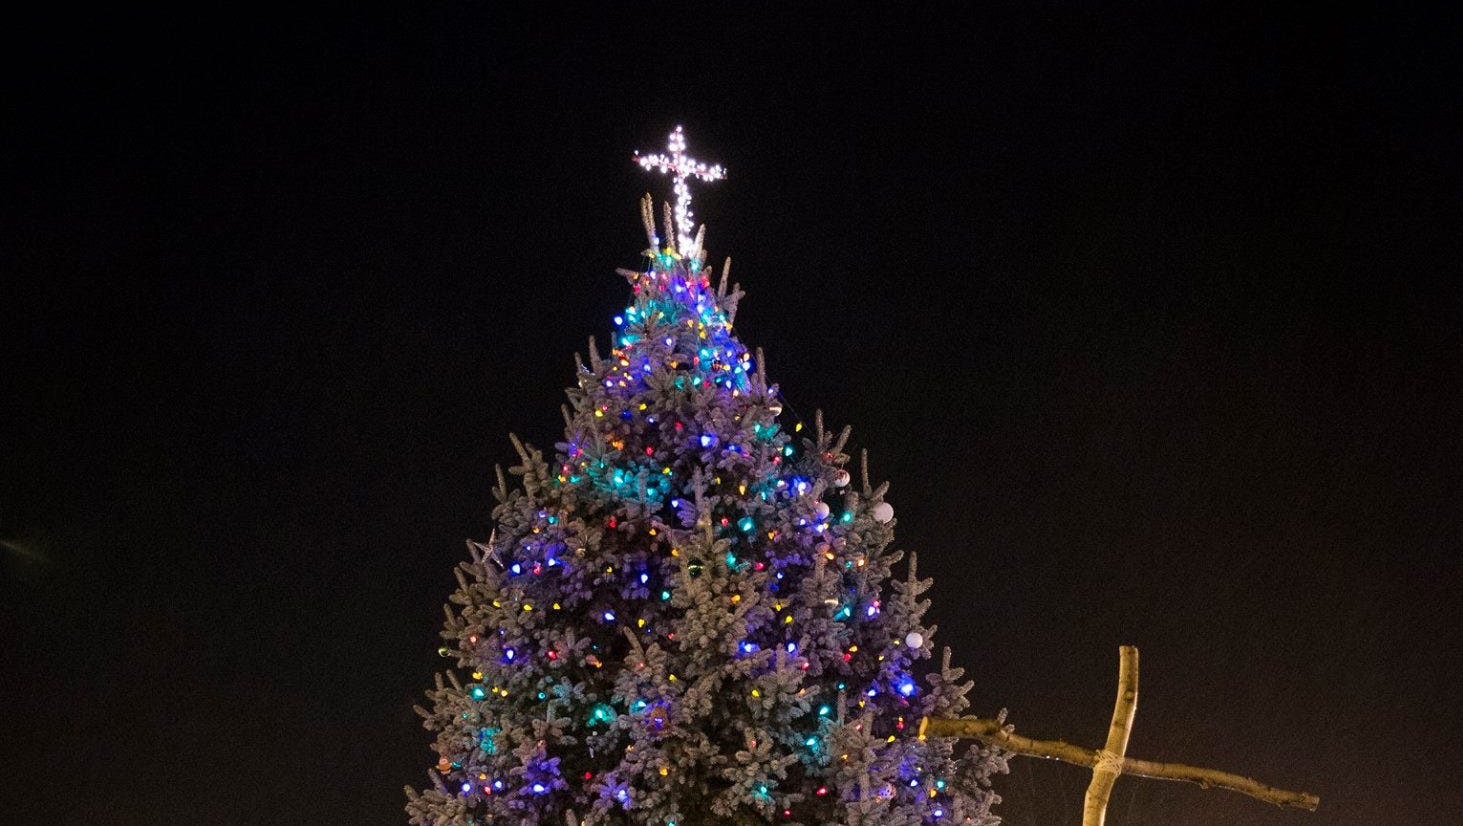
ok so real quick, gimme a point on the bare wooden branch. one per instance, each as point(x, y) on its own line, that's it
point(992, 731)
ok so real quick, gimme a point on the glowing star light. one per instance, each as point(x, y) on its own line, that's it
point(682, 167)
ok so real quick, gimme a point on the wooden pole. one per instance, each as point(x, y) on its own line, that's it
point(1111, 761)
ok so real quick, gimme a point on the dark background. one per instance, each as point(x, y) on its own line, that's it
point(1149, 313)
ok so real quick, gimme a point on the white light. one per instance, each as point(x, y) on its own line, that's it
point(683, 167)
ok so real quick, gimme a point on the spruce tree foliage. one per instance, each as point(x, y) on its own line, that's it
point(688, 614)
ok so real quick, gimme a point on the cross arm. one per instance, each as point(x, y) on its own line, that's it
point(993, 732)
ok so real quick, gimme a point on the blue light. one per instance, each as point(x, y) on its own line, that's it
point(622, 795)
point(466, 787)
point(516, 568)
point(609, 616)
point(619, 320)
point(749, 647)
point(539, 788)
point(792, 647)
point(498, 785)
point(707, 440)
point(644, 577)
point(873, 611)
point(907, 687)
point(872, 691)
point(509, 654)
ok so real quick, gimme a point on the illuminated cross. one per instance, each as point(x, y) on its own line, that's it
point(682, 167)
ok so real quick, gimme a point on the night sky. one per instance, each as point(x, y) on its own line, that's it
point(1150, 317)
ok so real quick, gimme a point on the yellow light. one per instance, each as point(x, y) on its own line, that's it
point(787, 620)
point(527, 607)
point(556, 606)
point(736, 598)
point(640, 623)
point(477, 675)
point(756, 693)
point(664, 771)
point(599, 414)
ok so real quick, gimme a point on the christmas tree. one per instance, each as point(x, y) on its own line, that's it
point(689, 614)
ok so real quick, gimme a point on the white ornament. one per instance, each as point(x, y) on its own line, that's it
point(822, 510)
point(914, 639)
point(841, 479)
point(683, 167)
point(883, 511)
